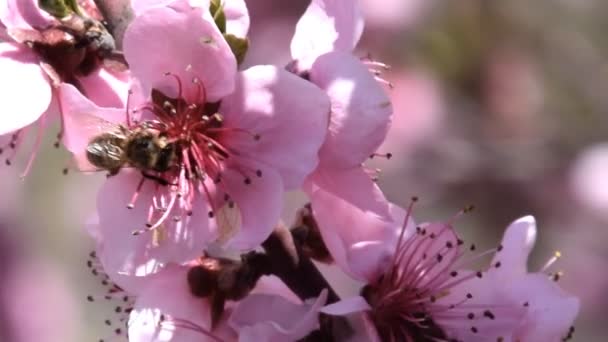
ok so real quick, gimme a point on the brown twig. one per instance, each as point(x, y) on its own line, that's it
point(294, 268)
point(118, 14)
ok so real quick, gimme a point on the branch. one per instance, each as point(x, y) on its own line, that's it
point(118, 14)
point(294, 268)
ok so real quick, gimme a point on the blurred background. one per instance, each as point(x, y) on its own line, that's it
point(499, 104)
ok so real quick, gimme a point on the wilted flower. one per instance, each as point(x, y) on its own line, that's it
point(233, 140)
point(420, 286)
point(42, 53)
point(172, 307)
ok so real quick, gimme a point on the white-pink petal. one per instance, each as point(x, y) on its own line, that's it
point(361, 111)
point(257, 210)
point(25, 90)
point(237, 17)
point(289, 114)
point(347, 306)
point(148, 252)
point(355, 221)
point(267, 318)
point(517, 243)
point(327, 25)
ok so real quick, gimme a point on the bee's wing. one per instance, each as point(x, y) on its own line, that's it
point(229, 222)
point(83, 119)
point(82, 127)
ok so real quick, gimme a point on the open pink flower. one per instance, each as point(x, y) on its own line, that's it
point(419, 287)
point(240, 140)
point(166, 310)
point(360, 109)
point(31, 70)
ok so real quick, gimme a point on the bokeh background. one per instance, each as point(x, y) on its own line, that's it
point(499, 104)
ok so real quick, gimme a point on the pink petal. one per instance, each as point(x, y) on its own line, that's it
point(196, 49)
point(260, 204)
point(355, 221)
point(327, 25)
point(288, 113)
point(264, 317)
point(360, 109)
point(168, 295)
point(346, 306)
point(148, 252)
point(82, 120)
point(237, 17)
point(106, 89)
point(517, 243)
point(272, 285)
point(550, 312)
point(23, 14)
point(26, 92)
point(487, 294)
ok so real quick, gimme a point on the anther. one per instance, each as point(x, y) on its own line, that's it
point(247, 181)
point(489, 314)
point(210, 214)
point(258, 173)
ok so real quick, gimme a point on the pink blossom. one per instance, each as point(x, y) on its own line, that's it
point(167, 310)
point(419, 285)
point(360, 109)
point(30, 99)
point(262, 137)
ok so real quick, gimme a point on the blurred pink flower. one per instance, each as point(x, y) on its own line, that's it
point(166, 310)
point(588, 178)
point(419, 285)
point(395, 14)
point(416, 97)
point(39, 313)
point(261, 138)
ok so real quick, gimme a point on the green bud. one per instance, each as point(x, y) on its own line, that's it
point(217, 11)
point(238, 46)
point(59, 8)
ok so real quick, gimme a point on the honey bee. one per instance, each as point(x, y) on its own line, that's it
point(142, 148)
point(115, 146)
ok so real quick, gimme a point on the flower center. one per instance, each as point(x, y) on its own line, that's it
point(186, 149)
point(419, 296)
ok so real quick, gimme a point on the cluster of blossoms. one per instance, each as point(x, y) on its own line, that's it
point(199, 153)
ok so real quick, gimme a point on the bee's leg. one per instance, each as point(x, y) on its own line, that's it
point(113, 172)
point(158, 179)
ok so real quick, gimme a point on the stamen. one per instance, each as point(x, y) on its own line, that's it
point(551, 261)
